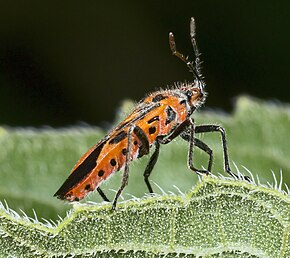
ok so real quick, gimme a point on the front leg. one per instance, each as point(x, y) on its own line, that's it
point(192, 143)
point(201, 145)
point(216, 128)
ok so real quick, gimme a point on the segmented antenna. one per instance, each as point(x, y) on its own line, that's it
point(193, 67)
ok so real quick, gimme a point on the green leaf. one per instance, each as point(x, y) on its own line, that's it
point(218, 218)
point(35, 162)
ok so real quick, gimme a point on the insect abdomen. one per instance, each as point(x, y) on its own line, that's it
point(108, 157)
point(92, 169)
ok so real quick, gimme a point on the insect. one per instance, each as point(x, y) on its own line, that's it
point(157, 119)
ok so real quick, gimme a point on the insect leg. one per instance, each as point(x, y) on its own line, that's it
point(154, 157)
point(192, 143)
point(178, 130)
point(102, 194)
point(151, 165)
point(144, 148)
point(126, 170)
point(216, 128)
point(200, 144)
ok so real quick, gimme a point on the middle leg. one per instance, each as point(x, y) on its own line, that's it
point(192, 143)
point(151, 165)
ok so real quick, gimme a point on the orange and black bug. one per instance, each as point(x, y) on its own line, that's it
point(157, 119)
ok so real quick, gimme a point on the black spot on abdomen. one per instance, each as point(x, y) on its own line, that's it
point(101, 173)
point(124, 151)
point(113, 162)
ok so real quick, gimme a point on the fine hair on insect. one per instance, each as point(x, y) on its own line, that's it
point(157, 120)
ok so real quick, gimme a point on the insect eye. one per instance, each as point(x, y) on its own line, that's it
point(188, 93)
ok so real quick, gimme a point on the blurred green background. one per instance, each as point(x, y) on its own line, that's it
point(62, 62)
